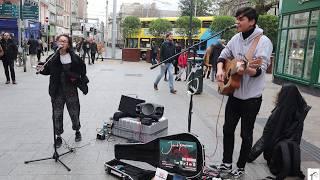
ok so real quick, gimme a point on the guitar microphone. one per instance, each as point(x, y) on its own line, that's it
point(233, 26)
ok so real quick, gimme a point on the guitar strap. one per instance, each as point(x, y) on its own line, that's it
point(252, 48)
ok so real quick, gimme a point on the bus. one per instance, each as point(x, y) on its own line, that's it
point(143, 39)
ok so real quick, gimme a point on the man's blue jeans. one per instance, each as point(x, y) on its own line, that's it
point(163, 68)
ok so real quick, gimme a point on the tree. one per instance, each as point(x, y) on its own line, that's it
point(231, 6)
point(159, 27)
point(203, 7)
point(130, 26)
point(269, 24)
point(221, 22)
point(184, 27)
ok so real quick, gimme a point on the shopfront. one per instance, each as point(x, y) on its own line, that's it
point(298, 51)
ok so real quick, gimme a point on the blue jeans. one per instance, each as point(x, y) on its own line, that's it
point(163, 67)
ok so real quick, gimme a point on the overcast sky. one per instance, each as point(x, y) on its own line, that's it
point(97, 8)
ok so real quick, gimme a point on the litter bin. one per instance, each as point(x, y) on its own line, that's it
point(195, 70)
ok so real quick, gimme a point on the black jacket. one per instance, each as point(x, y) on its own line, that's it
point(284, 123)
point(167, 50)
point(10, 50)
point(77, 71)
point(215, 53)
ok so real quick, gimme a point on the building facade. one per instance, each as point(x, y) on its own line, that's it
point(298, 51)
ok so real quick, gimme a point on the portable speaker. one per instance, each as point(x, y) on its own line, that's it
point(150, 110)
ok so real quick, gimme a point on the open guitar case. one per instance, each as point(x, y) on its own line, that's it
point(179, 154)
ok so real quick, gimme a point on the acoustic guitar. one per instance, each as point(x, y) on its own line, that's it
point(232, 78)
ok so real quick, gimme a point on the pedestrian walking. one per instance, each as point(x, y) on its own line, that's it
point(182, 64)
point(167, 50)
point(39, 50)
point(86, 49)
point(33, 49)
point(10, 52)
point(93, 49)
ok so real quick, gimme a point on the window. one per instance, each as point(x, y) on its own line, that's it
point(285, 21)
point(282, 51)
point(145, 24)
point(295, 52)
point(314, 17)
point(310, 52)
point(144, 43)
point(132, 43)
point(300, 19)
point(206, 24)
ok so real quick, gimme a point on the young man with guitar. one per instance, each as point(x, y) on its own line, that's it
point(250, 51)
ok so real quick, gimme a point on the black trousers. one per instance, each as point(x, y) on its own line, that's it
point(85, 53)
point(71, 100)
point(93, 56)
point(8, 64)
point(247, 110)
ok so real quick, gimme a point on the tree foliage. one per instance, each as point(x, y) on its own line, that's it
point(160, 27)
point(269, 24)
point(221, 22)
point(183, 23)
point(203, 7)
point(131, 26)
point(261, 6)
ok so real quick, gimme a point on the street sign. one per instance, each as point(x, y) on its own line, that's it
point(30, 11)
point(9, 10)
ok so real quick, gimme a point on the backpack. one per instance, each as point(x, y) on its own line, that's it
point(286, 160)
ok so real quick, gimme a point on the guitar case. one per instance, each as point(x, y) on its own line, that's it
point(180, 154)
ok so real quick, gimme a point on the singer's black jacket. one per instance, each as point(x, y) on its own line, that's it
point(77, 72)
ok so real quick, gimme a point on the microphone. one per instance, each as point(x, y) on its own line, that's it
point(59, 47)
point(233, 26)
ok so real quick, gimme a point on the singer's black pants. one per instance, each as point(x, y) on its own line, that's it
point(69, 96)
point(247, 110)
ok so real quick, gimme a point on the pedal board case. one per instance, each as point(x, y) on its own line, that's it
point(131, 128)
point(126, 171)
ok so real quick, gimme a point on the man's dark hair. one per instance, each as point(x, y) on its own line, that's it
point(168, 34)
point(248, 12)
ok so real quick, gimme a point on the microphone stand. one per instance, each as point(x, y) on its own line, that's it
point(55, 155)
point(187, 49)
point(193, 90)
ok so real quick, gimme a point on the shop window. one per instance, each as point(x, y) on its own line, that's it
point(310, 52)
point(282, 51)
point(285, 21)
point(314, 17)
point(295, 52)
point(300, 19)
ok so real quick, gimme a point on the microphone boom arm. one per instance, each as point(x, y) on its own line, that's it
point(187, 49)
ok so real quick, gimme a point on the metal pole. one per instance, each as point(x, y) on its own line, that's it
point(114, 28)
point(70, 18)
point(190, 22)
point(106, 32)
